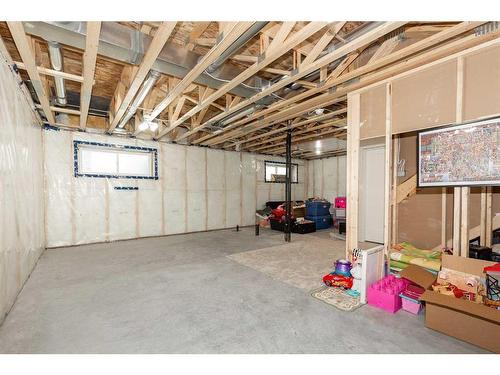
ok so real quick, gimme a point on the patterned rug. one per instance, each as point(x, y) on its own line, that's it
point(336, 297)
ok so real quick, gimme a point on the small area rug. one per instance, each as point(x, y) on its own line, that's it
point(336, 297)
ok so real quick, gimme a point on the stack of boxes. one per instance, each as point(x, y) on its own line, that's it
point(319, 212)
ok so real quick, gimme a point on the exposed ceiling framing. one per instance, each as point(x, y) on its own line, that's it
point(229, 85)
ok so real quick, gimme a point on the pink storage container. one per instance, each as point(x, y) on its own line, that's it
point(410, 298)
point(411, 305)
point(340, 202)
point(384, 293)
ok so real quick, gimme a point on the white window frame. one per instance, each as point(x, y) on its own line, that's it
point(275, 164)
point(152, 153)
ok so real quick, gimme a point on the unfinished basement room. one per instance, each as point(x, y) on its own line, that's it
point(249, 187)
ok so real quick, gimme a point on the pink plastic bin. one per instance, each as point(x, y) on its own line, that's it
point(384, 293)
point(411, 305)
point(340, 202)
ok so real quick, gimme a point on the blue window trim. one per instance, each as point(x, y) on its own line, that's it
point(76, 145)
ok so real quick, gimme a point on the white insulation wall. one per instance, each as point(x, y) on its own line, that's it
point(198, 189)
point(22, 237)
point(326, 178)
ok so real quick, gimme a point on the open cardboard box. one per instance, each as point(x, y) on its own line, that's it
point(465, 320)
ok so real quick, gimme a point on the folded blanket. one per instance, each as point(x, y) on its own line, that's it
point(407, 248)
point(432, 264)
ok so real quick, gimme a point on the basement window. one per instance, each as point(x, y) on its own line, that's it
point(92, 159)
point(276, 172)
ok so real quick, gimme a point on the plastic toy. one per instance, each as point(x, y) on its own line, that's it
point(343, 267)
point(342, 281)
point(356, 273)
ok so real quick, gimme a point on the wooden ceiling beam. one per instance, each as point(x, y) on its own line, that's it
point(294, 111)
point(52, 73)
point(89, 61)
point(342, 51)
point(322, 43)
point(233, 31)
point(335, 78)
point(323, 117)
point(267, 59)
point(28, 58)
point(198, 29)
point(329, 124)
point(161, 36)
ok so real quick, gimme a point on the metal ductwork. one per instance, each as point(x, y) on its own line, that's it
point(56, 61)
point(121, 43)
point(233, 48)
point(146, 87)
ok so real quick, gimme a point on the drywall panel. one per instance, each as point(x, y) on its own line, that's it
point(372, 112)
point(22, 229)
point(425, 99)
point(481, 83)
point(330, 179)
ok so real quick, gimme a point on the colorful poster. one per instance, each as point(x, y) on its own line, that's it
point(461, 155)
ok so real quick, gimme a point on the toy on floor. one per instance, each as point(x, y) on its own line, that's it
point(341, 275)
point(341, 281)
point(343, 267)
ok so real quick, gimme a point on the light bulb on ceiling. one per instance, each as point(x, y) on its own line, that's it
point(319, 111)
point(143, 126)
point(317, 144)
point(153, 126)
point(318, 152)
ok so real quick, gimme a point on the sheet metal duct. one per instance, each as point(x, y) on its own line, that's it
point(56, 61)
point(233, 48)
point(146, 87)
point(123, 44)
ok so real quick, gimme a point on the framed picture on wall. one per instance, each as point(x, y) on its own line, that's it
point(460, 155)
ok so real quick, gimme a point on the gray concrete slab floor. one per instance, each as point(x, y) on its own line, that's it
point(183, 294)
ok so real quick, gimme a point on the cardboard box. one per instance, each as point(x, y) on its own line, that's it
point(465, 320)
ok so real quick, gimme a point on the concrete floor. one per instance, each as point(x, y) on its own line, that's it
point(183, 294)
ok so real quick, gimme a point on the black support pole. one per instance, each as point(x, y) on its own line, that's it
point(288, 186)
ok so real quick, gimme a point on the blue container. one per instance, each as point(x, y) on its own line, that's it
point(322, 222)
point(318, 208)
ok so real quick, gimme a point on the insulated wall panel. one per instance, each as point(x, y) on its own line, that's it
point(89, 208)
point(196, 186)
point(122, 214)
point(149, 207)
point(318, 178)
point(216, 184)
point(330, 179)
point(249, 186)
point(233, 180)
point(174, 184)
point(58, 162)
point(22, 229)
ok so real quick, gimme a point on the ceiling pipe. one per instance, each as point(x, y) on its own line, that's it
point(146, 87)
point(238, 43)
point(56, 61)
